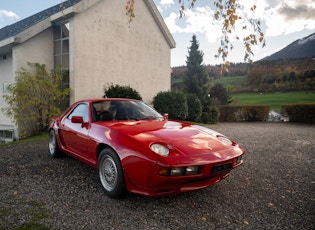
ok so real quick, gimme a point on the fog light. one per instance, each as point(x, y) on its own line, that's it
point(164, 171)
point(190, 170)
point(177, 171)
point(237, 160)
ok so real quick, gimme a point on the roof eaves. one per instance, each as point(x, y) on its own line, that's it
point(66, 13)
point(32, 31)
point(161, 23)
point(77, 8)
point(7, 41)
point(83, 5)
point(6, 45)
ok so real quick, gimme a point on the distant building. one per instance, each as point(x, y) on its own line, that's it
point(95, 43)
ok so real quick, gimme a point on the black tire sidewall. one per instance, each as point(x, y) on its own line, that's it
point(119, 189)
point(55, 154)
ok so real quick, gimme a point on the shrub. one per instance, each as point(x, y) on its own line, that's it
point(219, 95)
point(117, 91)
point(34, 98)
point(173, 103)
point(256, 113)
point(194, 107)
point(210, 115)
point(244, 113)
point(300, 112)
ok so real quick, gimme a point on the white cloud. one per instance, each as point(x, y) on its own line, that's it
point(287, 16)
point(164, 4)
point(277, 16)
point(171, 23)
point(7, 17)
point(8, 14)
point(281, 20)
point(167, 2)
point(196, 21)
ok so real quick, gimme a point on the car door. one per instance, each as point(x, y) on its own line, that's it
point(76, 135)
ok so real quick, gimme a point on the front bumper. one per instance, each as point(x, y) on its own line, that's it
point(211, 171)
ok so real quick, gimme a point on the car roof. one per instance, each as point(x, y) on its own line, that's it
point(105, 99)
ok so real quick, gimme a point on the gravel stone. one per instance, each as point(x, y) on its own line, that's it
point(273, 189)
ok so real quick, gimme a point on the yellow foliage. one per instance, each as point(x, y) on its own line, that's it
point(228, 13)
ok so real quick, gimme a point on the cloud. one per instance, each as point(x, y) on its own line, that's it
point(7, 17)
point(196, 21)
point(287, 16)
point(279, 19)
point(300, 10)
point(8, 14)
point(166, 2)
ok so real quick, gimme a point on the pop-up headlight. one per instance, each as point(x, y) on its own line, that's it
point(160, 149)
point(225, 140)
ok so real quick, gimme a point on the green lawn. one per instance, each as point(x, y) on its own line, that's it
point(43, 136)
point(274, 100)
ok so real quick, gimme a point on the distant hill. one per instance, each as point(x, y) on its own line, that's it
point(302, 48)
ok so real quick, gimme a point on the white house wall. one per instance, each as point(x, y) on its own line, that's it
point(6, 78)
point(107, 49)
point(38, 49)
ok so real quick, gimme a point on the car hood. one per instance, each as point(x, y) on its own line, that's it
point(185, 138)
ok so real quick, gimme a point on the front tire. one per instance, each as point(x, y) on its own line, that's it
point(111, 173)
point(54, 150)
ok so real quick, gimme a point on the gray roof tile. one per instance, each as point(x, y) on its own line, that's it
point(13, 29)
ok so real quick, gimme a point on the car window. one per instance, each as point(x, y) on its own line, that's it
point(102, 111)
point(82, 111)
point(122, 110)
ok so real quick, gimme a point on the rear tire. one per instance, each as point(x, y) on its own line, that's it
point(54, 150)
point(111, 173)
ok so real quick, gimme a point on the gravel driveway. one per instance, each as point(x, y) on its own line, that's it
point(273, 189)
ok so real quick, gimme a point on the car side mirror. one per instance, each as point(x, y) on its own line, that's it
point(77, 119)
point(165, 115)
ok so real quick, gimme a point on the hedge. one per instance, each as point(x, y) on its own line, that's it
point(299, 112)
point(229, 113)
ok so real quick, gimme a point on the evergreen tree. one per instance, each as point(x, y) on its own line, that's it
point(196, 81)
point(219, 95)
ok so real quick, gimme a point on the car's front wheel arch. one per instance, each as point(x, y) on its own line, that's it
point(111, 173)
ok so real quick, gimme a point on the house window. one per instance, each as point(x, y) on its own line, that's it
point(5, 88)
point(61, 55)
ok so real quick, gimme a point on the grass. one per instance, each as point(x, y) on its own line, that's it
point(230, 81)
point(274, 100)
point(42, 136)
point(35, 138)
point(31, 212)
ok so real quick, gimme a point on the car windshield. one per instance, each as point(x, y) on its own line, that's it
point(123, 110)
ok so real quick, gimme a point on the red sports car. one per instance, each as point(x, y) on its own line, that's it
point(134, 148)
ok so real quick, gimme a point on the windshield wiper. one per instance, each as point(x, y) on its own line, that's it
point(150, 118)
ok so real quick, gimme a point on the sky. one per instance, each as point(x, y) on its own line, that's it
point(282, 21)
